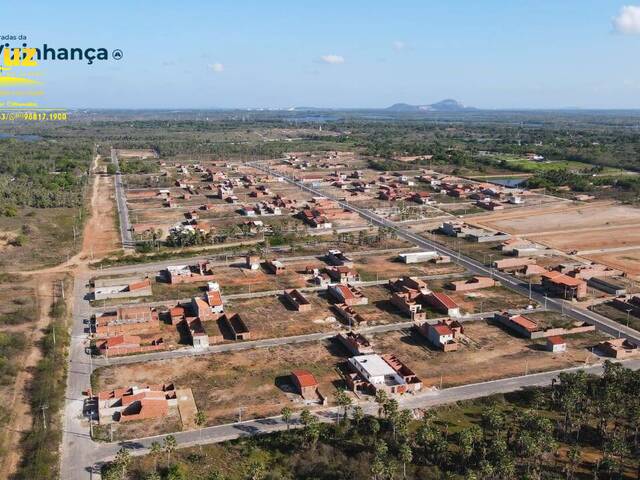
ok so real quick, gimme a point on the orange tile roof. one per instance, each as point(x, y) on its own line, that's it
point(562, 279)
point(345, 291)
point(525, 322)
point(442, 329)
point(556, 340)
point(305, 378)
point(444, 299)
point(215, 299)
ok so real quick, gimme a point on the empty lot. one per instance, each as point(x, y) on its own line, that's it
point(595, 226)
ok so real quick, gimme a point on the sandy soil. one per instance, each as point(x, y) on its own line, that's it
point(556, 218)
point(604, 237)
point(21, 418)
point(384, 266)
point(143, 153)
point(250, 379)
point(584, 227)
point(491, 353)
point(270, 317)
point(628, 260)
point(101, 236)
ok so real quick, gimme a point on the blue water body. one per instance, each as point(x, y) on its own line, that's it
point(507, 181)
point(24, 138)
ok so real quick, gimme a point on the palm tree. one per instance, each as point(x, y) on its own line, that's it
point(305, 417)
point(358, 414)
point(381, 399)
point(170, 445)
point(200, 419)
point(155, 451)
point(406, 456)
point(343, 400)
point(373, 426)
point(286, 413)
point(123, 460)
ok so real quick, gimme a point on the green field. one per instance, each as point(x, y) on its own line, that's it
point(531, 166)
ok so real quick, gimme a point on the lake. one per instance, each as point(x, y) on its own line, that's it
point(511, 182)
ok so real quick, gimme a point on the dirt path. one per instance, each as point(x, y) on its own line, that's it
point(100, 238)
point(100, 235)
point(21, 419)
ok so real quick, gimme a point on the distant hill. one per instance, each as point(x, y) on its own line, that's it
point(448, 105)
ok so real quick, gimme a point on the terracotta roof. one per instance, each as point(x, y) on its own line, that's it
point(345, 291)
point(556, 340)
point(215, 300)
point(562, 279)
point(140, 285)
point(305, 378)
point(524, 322)
point(200, 303)
point(119, 340)
point(444, 299)
point(442, 329)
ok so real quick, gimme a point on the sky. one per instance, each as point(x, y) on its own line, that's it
point(281, 54)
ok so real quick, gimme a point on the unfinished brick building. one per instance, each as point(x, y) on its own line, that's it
point(127, 321)
point(297, 300)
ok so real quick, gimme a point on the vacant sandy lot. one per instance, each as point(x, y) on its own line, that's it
point(628, 260)
point(490, 352)
point(255, 380)
point(601, 225)
point(593, 239)
point(559, 218)
point(380, 267)
point(258, 380)
point(142, 153)
point(269, 317)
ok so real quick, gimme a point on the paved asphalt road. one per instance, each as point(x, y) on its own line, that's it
point(155, 267)
point(123, 210)
point(81, 456)
point(270, 342)
point(577, 313)
point(428, 398)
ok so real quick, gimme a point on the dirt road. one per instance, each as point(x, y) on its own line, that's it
point(100, 237)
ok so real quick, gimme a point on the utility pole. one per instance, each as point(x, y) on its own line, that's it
point(44, 407)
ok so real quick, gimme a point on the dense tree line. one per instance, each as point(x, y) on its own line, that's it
point(46, 399)
point(42, 173)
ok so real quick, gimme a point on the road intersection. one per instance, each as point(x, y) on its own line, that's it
point(81, 456)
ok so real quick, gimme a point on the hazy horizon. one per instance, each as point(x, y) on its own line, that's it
point(490, 55)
